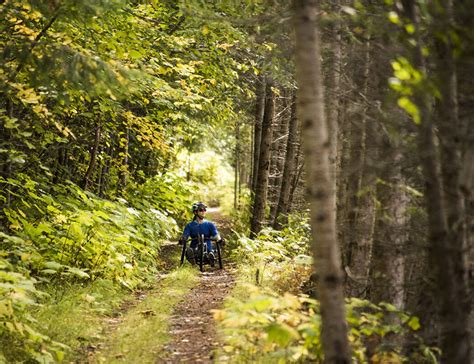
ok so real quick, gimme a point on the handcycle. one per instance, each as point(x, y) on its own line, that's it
point(202, 256)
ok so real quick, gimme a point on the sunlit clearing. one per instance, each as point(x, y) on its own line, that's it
point(212, 173)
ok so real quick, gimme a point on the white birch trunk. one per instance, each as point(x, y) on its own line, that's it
point(320, 187)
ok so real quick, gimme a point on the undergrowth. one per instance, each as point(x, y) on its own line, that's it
point(259, 325)
point(57, 237)
point(74, 315)
point(268, 318)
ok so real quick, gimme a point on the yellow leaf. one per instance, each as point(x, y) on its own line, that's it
point(219, 315)
point(15, 226)
point(88, 298)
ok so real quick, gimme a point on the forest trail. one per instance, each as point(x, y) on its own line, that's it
point(191, 327)
point(192, 324)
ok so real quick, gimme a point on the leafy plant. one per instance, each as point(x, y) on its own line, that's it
point(264, 326)
point(18, 333)
point(276, 245)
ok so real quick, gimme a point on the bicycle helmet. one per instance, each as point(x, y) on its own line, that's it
point(198, 205)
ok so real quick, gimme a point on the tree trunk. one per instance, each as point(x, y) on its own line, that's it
point(361, 194)
point(258, 215)
point(388, 259)
point(334, 91)
point(257, 135)
point(319, 184)
point(455, 318)
point(237, 165)
point(124, 140)
point(299, 166)
point(281, 217)
point(93, 157)
point(448, 258)
point(278, 154)
point(102, 183)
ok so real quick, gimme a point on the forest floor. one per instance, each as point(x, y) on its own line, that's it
point(191, 326)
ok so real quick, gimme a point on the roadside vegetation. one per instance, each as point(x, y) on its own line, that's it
point(273, 313)
point(66, 242)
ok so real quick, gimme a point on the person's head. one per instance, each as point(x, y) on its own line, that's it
point(199, 210)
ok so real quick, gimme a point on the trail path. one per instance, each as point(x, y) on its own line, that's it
point(192, 325)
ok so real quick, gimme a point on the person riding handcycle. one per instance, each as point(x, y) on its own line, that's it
point(200, 227)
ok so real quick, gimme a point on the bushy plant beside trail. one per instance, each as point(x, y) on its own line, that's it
point(262, 326)
point(167, 194)
point(55, 236)
point(268, 318)
point(277, 258)
point(74, 234)
point(277, 245)
point(18, 335)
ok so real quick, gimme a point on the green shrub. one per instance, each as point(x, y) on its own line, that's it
point(72, 234)
point(167, 193)
point(58, 236)
point(18, 335)
point(276, 245)
point(264, 326)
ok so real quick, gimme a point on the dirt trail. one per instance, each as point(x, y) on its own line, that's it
point(192, 325)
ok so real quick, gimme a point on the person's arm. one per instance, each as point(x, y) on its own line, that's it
point(186, 234)
point(214, 233)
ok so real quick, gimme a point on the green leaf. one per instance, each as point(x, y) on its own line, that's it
point(78, 272)
point(281, 334)
point(59, 355)
point(134, 54)
point(49, 271)
point(406, 104)
point(414, 323)
point(393, 17)
point(53, 265)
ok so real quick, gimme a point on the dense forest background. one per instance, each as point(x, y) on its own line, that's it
point(337, 134)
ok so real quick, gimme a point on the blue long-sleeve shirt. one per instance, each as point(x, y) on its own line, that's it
point(195, 229)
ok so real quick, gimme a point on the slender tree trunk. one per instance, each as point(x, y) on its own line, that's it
point(237, 165)
point(258, 215)
point(388, 260)
point(448, 257)
point(124, 140)
point(334, 90)
point(257, 135)
point(387, 273)
point(320, 187)
point(361, 194)
point(278, 154)
point(281, 217)
point(455, 319)
point(103, 179)
point(93, 157)
point(295, 181)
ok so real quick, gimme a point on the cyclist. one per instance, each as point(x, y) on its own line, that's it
point(200, 226)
